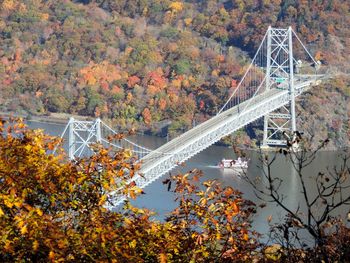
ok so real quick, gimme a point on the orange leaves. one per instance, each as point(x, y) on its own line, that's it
point(188, 21)
point(152, 90)
point(147, 117)
point(52, 255)
point(318, 55)
point(103, 72)
point(219, 212)
point(132, 80)
point(57, 209)
point(228, 192)
point(44, 16)
point(9, 5)
point(162, 104)
point(269, 219)
point(8, 246)
point(162, 258)
point(156, 79)
point(235, 208)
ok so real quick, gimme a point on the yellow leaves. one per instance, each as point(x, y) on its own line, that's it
point(127, 221)
point(273, 252)
point(28, 147)
point(81, 178)
point(1, 212)
point(176, 6)
point(52, 255)
point(212, 207)
point(127, 153)
point(35, 245)
point(188, 21)
point(177, 82)
point(39, 211)
point(245, 237)
point(24, 230)
point(8, 202)
point(103, 200)
point(71, 215)
point(106, 185)
point(203, 201)
point(231, 240)
point(18, 203)
point(135, 191)
point(215, 73)
point(133, 243)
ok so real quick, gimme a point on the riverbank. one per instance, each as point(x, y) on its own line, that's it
point(63, 118)
point(56, 118)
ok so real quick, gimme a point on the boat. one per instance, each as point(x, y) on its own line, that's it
point(234, 164)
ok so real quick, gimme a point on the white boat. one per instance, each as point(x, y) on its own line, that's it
point(234, 164)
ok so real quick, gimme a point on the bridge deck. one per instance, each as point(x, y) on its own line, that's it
point(180, 149)
point(189, 136)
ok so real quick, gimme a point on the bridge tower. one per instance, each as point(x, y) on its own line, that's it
point(81, 135)
point(280, 65)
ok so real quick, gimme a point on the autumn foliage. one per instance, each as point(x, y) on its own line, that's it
point(90, 57)
point(52, 209)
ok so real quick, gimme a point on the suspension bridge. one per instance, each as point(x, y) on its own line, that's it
point(281, 70)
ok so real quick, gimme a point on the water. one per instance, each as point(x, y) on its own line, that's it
point(158, 199)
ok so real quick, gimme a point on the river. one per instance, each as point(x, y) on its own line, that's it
point(158, 199)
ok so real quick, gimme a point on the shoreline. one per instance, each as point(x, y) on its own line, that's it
point(63, 118)
point(55, 118)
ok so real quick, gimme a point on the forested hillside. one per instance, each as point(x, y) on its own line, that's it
point(141, 63)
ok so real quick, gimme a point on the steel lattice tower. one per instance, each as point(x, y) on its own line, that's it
point(280, 75)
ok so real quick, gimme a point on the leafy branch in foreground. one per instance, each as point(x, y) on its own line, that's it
point(52, 209)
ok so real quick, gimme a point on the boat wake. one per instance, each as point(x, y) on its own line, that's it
point(212, 166)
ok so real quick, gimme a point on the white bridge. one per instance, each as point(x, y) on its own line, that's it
point(268, 89)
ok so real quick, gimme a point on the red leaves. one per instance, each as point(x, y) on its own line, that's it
point(201, 105)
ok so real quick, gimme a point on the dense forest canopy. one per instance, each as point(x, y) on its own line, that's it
point(142, 62)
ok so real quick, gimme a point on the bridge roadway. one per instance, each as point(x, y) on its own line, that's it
point(180, 149)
